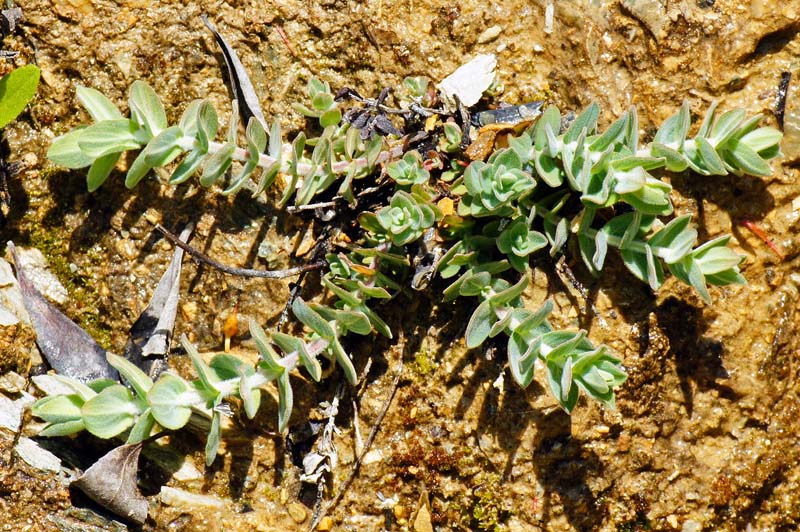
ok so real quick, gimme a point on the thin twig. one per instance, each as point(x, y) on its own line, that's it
point(312, 206)
point(232, 270)
point(370, 439)
point(332, 203)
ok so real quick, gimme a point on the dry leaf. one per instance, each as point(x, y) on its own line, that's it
point(111, 483)
point(68, 349)
point(152, 332)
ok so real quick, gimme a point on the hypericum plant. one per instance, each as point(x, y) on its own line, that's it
point(549, 185)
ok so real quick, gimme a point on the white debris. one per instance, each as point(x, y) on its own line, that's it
point(42, 278)
point(35, 456)
point(371, 457)
point(469, 81)
point(7, 318)
point(185, 499)
point(11, 411)
point(489, 34)
point(549, 11)
point(11, 296)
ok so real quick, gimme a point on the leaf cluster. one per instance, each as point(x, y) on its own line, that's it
point(108, 409)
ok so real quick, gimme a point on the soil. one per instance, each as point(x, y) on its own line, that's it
point(705, 435)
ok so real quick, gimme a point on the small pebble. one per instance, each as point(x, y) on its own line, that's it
point(490, 34)
point(185, 499)
point(297, 512)
point(325, 524)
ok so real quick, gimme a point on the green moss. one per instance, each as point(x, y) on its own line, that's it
point(81, 290)
point(423, 364)
point(482, 508)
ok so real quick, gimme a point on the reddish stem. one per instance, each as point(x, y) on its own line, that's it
point(285, 39)
point(760, 233)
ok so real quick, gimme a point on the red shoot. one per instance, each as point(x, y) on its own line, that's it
point(763, 236)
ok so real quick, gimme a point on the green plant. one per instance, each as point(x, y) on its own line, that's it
point(546, 187)
point(17, 88)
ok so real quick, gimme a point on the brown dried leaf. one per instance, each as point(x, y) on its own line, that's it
point(111, 483)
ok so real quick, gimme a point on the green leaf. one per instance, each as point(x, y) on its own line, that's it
point(312, 320)
point(726, 126)
point(673, 160)
point(146, 108)
point(748, 160)
point(480, 324)
point(212, 442)
point(190, 118)
point(251, 396)
point(708, 121)
point(343, 360)
point(587, 120)
point(164, 147)
point(226, 367)
point(64, 151)
point(17, 88)
point(674, 240)
point(100, 170)
point(208, 380)
point(612, 135)
point(110, 412)
point(762, 139)
point(97, 105)
point(109, 136)
point(165, 400)
point(217, 164)
point(142, 428)
point(289, 344)
point(207, 125)
point(330, 117)
point(67, 428)
point(285, 401)
point(187, 167)
point(712, 161)
point(137, 378)
point(138, 169)
point(59, 408)
point(256, 144)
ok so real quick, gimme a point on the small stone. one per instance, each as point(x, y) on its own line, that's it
point(691, 526)
point(490, 34)
point(672, 519)
point(297, 512)
point(399, 511)
point(12, 382)
point(185, 499)
point(189, 310)
point(422, 523)
point(325, 524)
point(371, 457)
